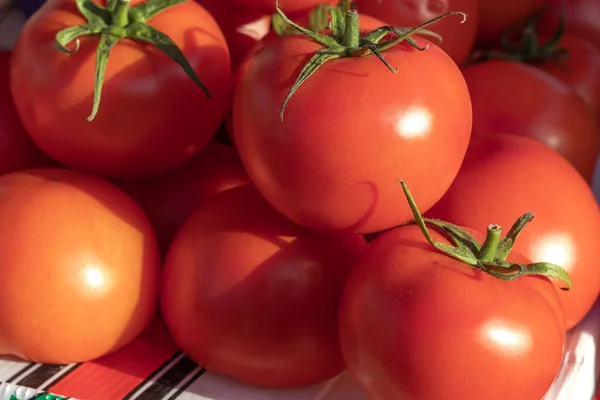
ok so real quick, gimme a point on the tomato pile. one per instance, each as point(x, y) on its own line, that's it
point(400, 188)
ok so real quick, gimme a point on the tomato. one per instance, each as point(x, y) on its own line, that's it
point(290, 7)
point(350, 131)
point(581, 18)
point(498, 16)
point(504, 176)
point(242, 283)
point(580, 71)
point(17, 151)
point(80, 267)
point(169, 199)
point(152, 117)
point(417, 324)
point(242, 28)
point(457, 40)
point(516, 98)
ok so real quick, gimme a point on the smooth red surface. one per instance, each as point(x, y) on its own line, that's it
point(417, 324)
point(521, 99)
point(497, 16)
point(350, 132)
point(505, 176)
point(290, 7)
point(152, 116)
point(250, 295)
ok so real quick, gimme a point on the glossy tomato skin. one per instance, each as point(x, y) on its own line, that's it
point(516, 98)
point(504, 176)
point(497, 16)
point(581, 19)
point(242, 283)
point(88, 257)
point(17, 151)
point(581, 71)
point(350, 132)
point(458, 39)
point(416, 324)
point(290, 7)
point(169, 199)
point(241, 27)
point(148, 122)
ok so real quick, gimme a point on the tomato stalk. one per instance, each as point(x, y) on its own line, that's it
point(529, 49)
point(116, 21)
point(345, 40)
point(490, 256)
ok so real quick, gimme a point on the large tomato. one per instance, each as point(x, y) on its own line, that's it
point(79, 270)
point(152, 116)
point(520, 99)
point(17, 151)
point(580, 70)
point(498, 16)
point(581, 18)
point(504, 176)
point(251, 295)
point(350, 131)
point(169, 199)
point(417, 324)
point(290, 7)
point(457, 40)
point(241, 27)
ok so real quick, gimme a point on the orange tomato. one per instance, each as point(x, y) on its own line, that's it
point(79, 267)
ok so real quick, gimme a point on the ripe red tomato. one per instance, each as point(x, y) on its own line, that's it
point(241, 27)
point(79, 270)
point(350, 131)
point(504, 176)
point(17, 151)
point(458, 40)
point(243, 284)
point(169, 199)
point(152, 117)
point(520, 99)
point(580, 71)
point(581, 18)
point(290, 7)
point(417, 324)
point(497, 16)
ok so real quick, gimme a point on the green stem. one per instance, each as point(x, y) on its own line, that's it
point(120, 17)
point(489, 248)
point(351, 38)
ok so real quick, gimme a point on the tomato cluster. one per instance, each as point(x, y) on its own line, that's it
point(301, 187)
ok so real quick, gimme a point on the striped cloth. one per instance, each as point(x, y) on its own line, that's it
point(152, 368)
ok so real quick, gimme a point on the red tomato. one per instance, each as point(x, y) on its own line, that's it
point(169, 199)
point(458, 40)
point(17, 151)
point(290, 7)
point(504, 176)
point(416, 324)
point(79, 267)
point(243, 284)
point(581, 70)
point(511, 97)
point(152, 116)
point(581, 17)
point(241, 27)
point(497, 16)
point(350, 131)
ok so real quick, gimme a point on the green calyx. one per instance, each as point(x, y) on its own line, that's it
point(117, 21)
point(345, 40)
point(489, 256)
point(318, 19)
point(527, 47)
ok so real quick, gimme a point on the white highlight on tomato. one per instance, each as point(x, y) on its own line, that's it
point(557, 248)
point(414, 123)
point(257, 29)
point(508, 337)
point(93, 276)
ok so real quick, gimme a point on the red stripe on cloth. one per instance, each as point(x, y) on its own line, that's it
point(114, 376)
